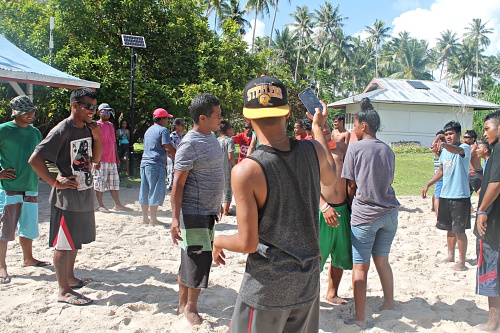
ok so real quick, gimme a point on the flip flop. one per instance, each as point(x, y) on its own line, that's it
point(103, 209)
point(82, 283)
point(123, 209)
point(39, 264)
point(78, 300)
point(4, 279)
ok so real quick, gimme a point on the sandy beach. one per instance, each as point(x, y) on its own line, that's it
point(134, 268)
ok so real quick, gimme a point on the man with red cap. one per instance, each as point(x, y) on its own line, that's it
point(157, 147)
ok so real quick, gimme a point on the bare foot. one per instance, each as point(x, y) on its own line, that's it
point(447, 259)
point(193, 318)
point(488, 327)
point(387, 306)
point(459, 267)
point(145, 220)
point(122, 208)
point(335, 300)
point(351, 321)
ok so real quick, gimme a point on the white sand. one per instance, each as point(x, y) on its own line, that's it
point(135, 271)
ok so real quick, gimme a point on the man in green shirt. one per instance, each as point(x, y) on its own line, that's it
point(18, 184)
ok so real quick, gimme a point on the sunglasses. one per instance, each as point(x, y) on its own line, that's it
point(248, 128)
point(105, 112)
point(467, 137)
point(88, 106)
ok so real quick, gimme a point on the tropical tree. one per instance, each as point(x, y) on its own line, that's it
point(378, 33)
point(285, 44)
point(413, 60)
point(261, 7)
point(303, 29)
point(275, 5)
point(329, 18)
point(233, 12)
point(476, 36)
point(447, 45)
point(217, 7)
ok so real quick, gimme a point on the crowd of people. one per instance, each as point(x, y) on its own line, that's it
point(347, 214)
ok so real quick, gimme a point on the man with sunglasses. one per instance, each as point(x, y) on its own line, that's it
point(106, 171)
point(455, 205)
point(475, 169)
point(72, 145)
point(243, 139)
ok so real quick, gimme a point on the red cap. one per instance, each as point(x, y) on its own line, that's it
point(161, 113)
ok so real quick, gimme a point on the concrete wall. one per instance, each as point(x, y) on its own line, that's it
point(403, 122)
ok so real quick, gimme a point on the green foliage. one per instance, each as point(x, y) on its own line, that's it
point(408, 148)
point(492, 96)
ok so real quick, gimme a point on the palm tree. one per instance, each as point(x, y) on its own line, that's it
point(413, 60)
point(275, 5)
point(378, 34)
point(329, 18)
point(477, 37)
point(260, 6)
point(284, 44)
point(461, 66)
point(303, 29)
point(217, 6)
point(235, 13)
point(447, 46)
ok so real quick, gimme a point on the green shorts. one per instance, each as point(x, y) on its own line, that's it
point(336, 242)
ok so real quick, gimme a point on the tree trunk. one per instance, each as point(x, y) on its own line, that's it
point(255, 24)
point(298, 57)
point(272, 26)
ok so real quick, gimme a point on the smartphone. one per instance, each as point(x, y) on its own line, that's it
point(310, 101)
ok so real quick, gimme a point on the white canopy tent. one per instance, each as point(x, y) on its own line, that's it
point(18, 66)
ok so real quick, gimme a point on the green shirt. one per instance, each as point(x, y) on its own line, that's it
point(16, 145)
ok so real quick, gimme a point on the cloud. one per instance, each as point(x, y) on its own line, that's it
point(259, 31)
point(402, 5)
point(454, 15)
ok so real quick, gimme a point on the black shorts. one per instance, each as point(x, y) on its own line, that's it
point(454, 215)
point(475, 178)
point(197, 232)
point(487, 283)
point(69, 230)
point(123, 151)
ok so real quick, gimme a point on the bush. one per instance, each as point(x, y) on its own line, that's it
point(408, 147)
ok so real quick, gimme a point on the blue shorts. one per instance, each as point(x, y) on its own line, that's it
point(18, 209)
point(373, 238)
point(487, 282)
point(153, 186)
point(437, 189)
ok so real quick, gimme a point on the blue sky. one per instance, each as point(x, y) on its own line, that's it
point(424, 19)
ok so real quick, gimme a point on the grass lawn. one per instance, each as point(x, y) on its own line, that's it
point(413, 171)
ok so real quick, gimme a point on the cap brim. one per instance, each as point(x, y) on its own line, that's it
point(169, 116)
point(270, 112)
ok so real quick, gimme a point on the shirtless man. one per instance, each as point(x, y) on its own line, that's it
point(335, 241)
point(475, 168)
point(340, 134)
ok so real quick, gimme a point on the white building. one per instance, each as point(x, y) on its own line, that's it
point(413, 110)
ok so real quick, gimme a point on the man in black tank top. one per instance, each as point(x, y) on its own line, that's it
point(280, 287)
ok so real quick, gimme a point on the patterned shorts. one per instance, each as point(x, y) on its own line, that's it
point(106, 178)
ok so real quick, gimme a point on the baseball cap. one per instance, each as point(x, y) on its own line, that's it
point(265, 97)
point(21, 104)
point(161, 113)
point(104, 106)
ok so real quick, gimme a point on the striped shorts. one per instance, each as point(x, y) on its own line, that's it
point(18, 209)
point(106, 178)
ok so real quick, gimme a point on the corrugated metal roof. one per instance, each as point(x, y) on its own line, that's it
point(383, 90)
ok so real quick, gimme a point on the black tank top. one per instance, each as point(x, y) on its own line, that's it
point(284, 272)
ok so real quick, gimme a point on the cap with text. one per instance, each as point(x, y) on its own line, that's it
point(265, 97)
point(161, 113)
point(21, 105)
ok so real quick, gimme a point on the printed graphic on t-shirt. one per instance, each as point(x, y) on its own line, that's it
point(81, 162)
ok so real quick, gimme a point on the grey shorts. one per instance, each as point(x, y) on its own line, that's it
point(247, 319)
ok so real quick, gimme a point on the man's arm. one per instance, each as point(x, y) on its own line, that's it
point(451, 148)
point(437, 176)
point(351, 190)
point(37, 162)
point(248, 183)
point(177, 194)
point(97, 143)
point(170, 150)
point(491, 194)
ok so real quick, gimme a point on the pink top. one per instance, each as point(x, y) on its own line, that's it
point(108, 142)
